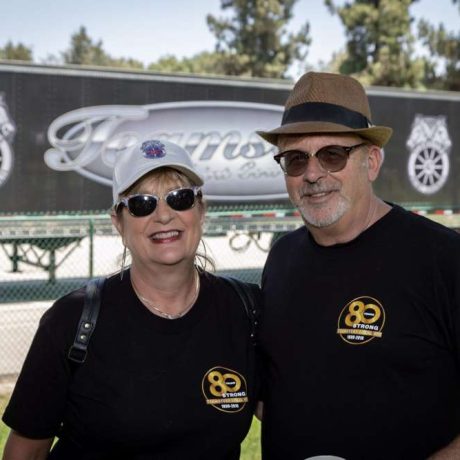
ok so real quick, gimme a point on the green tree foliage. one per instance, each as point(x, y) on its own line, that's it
point(201, 63)
point(84, 51)
point(380, 45)
point(253, 40)
point(17, 52)
point(444, 46)
point(126, 63)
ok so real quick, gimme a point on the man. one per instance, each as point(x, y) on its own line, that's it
point(361, 329)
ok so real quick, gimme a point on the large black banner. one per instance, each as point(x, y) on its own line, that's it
point(61, 129)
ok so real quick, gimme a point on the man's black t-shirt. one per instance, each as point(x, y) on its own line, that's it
point(362, 343)
point(150, 388)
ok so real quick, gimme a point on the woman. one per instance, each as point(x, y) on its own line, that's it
point(170, 367)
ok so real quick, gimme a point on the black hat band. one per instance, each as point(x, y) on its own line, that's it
point(322, 111)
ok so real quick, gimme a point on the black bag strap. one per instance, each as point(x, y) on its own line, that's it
point(249, 299)
point(87, 323)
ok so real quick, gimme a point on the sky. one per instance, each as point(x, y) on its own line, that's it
point(148, 29)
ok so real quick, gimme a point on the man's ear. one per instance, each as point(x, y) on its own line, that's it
point(374, 158)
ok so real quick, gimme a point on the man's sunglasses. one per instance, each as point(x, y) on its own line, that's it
point(143, 204)
point(332, 158)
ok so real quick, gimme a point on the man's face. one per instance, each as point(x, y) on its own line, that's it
point(325, 198)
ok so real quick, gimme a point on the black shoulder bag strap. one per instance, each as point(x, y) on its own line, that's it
point(246, 292)
point(87, 323)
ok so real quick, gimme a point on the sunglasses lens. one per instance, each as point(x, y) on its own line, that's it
point(294, 163)
point(181, 200)
point(332, 158)
point(142, 205)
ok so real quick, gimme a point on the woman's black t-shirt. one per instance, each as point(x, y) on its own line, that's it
point(150, 388)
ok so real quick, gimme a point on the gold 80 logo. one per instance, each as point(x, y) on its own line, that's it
point(361, 321)
point(225, 389)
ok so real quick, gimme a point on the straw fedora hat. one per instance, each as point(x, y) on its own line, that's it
point(327, 103)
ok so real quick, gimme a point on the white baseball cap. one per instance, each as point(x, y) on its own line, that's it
point(145, 156)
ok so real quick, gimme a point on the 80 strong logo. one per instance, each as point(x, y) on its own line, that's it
point(225, 389)
point(361, 321)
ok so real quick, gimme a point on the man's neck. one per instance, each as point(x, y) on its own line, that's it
point(350, 227)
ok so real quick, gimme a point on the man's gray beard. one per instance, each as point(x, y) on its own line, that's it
point(325, 220)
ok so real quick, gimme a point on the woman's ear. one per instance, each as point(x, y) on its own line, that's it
point(203, 205)
point(203, 214)
point(117, 222)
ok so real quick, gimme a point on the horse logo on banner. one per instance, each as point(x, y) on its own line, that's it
point(7, 132)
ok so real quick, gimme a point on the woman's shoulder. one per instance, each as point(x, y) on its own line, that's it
point(70, 305)
point(248, 294)
point(65, 308)
point(228, 282)
point(61, 319)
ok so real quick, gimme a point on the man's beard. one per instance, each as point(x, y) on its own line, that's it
point(323, 215)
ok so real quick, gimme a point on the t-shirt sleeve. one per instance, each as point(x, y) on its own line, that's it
point(455, 299)
point(446, 274)
point(38, 401)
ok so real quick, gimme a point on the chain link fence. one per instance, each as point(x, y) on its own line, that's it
point(43, 258)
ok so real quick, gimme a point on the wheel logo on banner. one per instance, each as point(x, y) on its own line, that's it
point(429, 144)
point(7, 132)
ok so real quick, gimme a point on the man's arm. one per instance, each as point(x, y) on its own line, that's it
point(450, 452)
point(259, 410)
point(21, 448)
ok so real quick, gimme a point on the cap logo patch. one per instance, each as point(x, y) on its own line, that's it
point(153, 149)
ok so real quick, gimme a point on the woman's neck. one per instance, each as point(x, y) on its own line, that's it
point(171, 290)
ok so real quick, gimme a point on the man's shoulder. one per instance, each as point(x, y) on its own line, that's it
point(285, 247)
point(423, 236)
point(290, 239)
point(425, 227)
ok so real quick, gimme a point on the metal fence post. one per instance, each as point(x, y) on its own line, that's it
point(91, 248)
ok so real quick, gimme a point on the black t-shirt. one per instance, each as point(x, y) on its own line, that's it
point(150, 388)
point(362, 343)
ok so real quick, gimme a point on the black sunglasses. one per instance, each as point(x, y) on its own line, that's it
point(332, 158)
point(143, 204)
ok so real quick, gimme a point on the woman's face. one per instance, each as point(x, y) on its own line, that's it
point(166, 237)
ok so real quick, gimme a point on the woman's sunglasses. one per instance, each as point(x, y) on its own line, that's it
point(143, 204)
point(332, 158)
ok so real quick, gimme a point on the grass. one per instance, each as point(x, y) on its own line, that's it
point(250, 449)
point(4, 430)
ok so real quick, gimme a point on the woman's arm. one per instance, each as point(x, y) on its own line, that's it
point(18, 447)
point(259, 412)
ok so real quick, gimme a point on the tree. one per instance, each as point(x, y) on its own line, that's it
point(444, 46)
point(84, 51)
point(380, 45)
point(204, 63)
point(253, 41)
point(17, 52)
point(126, 63)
